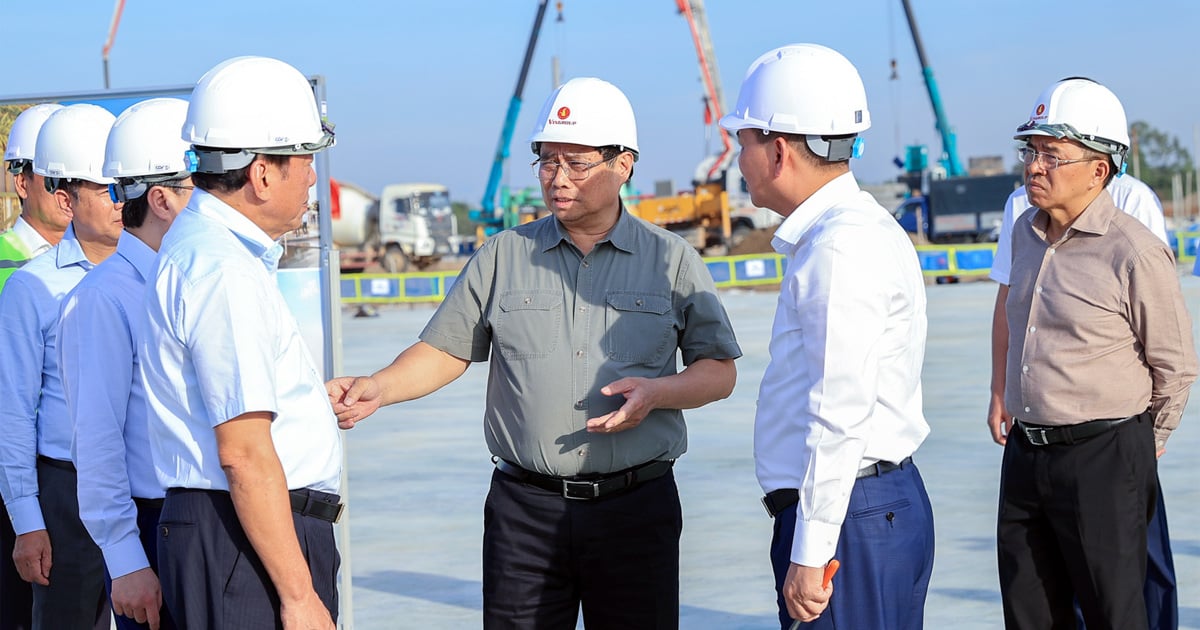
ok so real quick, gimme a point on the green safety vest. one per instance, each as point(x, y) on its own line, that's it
point(13, 254)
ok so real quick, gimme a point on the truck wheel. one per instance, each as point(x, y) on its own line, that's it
point(739, 233)
point(394, 260)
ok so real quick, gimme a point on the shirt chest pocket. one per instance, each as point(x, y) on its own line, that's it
point(528, 325)
point(638, 327)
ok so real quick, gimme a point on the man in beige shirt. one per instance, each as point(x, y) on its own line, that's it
point(1100, 361)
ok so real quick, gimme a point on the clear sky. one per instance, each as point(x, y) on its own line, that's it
point(419, 88)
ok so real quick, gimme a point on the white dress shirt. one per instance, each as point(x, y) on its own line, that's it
point(33, 415)
point(220, 342)
point(97, 349)
point(34, 242)
point(843, 387)
point(1128, 193)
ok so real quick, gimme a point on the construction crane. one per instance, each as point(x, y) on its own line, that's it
point(949, 161)
point(714, 98)
point(491, 220)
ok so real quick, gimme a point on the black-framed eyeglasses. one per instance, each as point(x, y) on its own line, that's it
point(577, 170)
point(1028, 156)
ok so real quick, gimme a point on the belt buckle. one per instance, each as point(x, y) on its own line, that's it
point(1041, 438)
point(593, 488)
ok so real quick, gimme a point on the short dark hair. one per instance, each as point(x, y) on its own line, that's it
point(134, 212)
point(231, 181)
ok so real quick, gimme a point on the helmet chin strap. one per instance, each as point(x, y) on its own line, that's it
point(835, 149)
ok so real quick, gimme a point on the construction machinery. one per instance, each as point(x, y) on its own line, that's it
point(490, 217)
point(408, 225)
point(947, 206)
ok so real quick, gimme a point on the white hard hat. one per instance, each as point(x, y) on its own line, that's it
point(70, 144)
point(22, 138)
point(144, 146)
point(802, 89)
point(589, 112)
point(250, 105)
point(1084, 111)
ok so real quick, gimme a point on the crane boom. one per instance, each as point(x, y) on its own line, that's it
point(510, 119)
point(697, 20)
point(949, 159)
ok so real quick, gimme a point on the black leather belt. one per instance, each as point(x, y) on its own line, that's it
point(60, 464)
point(588, 487)
point(148, 504)
point(1043, 435)
point(316, 504)
point(305, 502)
point(784, 498)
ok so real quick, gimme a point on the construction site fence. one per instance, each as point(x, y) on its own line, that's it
point(750, 270)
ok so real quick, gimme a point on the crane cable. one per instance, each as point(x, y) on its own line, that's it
point(894, 80)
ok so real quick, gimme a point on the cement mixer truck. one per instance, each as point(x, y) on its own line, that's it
point(408, 226)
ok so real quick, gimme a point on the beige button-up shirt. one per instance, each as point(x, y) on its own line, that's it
point(1097, 324)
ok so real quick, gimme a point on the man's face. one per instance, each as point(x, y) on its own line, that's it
point(1051, 189)
point(38, 205)
point(290, 199)
point(576, 201)
point(96, 217)
point(754, 161)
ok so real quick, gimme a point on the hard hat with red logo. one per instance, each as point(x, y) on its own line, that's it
point(1082, 110)
point(589, 112)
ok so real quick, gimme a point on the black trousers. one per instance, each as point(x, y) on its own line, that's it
point(1072, 525)
point(75, 599)
point(544, 556)
point(211, 577)
point(16, 596)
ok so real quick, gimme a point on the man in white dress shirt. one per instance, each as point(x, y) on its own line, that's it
point(119, 496)
point(244, 438)
point(839, 408)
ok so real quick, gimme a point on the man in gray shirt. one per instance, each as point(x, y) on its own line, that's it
point(581, 313)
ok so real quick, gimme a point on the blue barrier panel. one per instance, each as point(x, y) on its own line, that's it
point(718, 268)
point(934, 259)
point(421, 286)
point(379, 287)
point(349, 288)
point(757, 268)
point(974, 259)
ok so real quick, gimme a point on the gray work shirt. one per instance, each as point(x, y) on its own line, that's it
point(559, 326)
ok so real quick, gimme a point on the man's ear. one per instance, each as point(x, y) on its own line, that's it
point(21, 183)
point(259, 176)
point(156, 200)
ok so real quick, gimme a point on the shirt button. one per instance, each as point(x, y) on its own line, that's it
point(1027, 410)
point(579, 353)
point(582, 309)
point(1052, 250)
point(528, 300)
point(579, 405)
point(1033, 329)
point(638, 302)
point(1024, 368)
point(587, 264)
point(1039, 289)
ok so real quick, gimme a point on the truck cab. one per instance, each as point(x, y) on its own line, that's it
point(416, 225)
point(959, 209)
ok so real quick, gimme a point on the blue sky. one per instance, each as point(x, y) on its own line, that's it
point(419, 88)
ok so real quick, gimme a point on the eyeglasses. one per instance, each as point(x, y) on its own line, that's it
point(1028, 156)
point(577, 170)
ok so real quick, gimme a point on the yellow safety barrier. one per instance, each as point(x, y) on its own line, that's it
point(748, 270)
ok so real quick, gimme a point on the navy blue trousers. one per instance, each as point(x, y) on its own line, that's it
point(545, 556)
point(16, 596)
point(75, 599)
point(212, 579)
point(886, 551)
point(147, 522)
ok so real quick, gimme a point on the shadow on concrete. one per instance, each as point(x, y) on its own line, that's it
point(1185, 547)
point(431, 587)
point(971, 594)
point(467, 594)
point(1189, 617)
